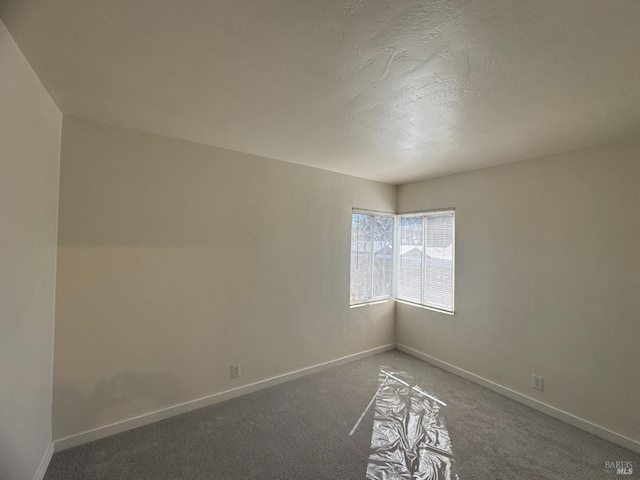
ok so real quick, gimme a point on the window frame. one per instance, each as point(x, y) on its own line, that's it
point(381, 298)
point(397, 217)
point(422, 303)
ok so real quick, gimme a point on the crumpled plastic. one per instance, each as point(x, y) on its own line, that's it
point(410, 440)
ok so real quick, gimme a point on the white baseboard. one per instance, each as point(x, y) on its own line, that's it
point(124, 425)
point(581, 423)
point(44, 463)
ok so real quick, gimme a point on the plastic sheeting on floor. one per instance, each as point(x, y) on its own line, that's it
point(410, 439)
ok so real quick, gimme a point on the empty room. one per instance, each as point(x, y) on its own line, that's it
point(322, 239)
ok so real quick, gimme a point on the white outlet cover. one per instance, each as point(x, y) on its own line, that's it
point(537, 382)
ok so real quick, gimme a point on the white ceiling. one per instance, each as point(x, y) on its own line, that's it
point(392, 90)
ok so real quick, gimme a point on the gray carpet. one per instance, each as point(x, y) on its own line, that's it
point(300, 430)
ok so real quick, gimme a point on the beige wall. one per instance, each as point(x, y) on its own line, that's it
point(30, 126)
point(176, 260)
point(547, 265)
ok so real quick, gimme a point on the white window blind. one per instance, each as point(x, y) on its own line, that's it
point(410, 258)
point(382, 256)
point(426, 260)
point(361, 249)
point(371, 256)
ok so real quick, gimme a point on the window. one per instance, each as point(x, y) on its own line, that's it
point(371, 256)
point(423, 252)
point(426, 259)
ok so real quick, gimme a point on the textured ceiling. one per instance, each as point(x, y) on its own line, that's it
point(395, 91)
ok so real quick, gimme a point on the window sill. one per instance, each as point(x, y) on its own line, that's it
point(426, 307)
point(372, 302)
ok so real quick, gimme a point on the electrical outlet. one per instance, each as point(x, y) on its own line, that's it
point(236, 370)
point(537, 382)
